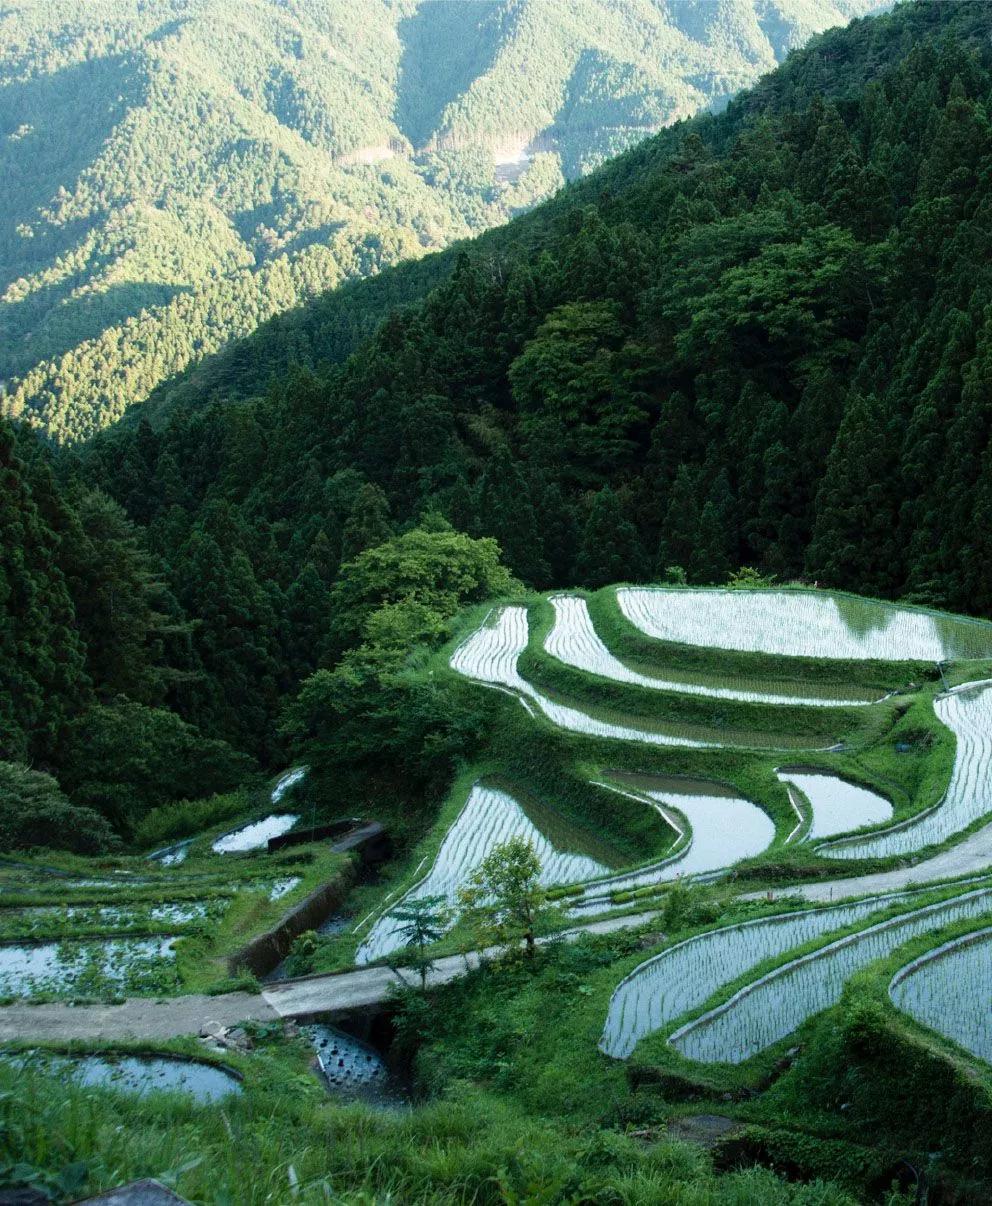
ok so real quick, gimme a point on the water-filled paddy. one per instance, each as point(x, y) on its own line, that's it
point(489, 817)
point(85, 965)
point(723, 829)
point(802, 624)
point(967, 712)
point(771, 1008)
point(574, 641)
point(138, 1074)
point(282, 887)
point(25, 921)
point(255, 836)
point(685, 976)
point(837, 805)
point(172, 856)
point(490, 656)
point(950, 990)
point(289, 779)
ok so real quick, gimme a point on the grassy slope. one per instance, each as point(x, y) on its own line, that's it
point(538, 1088)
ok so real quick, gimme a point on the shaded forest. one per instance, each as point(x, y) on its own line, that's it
point(178, 171)
point(760, 338)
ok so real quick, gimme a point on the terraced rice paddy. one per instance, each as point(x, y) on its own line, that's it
point(774, 1006)
point(490, 656)
point(574, 641)
point(287, 780)
point(836, 805)
point(949, 989)
point(85, 965)
point(42, 918)
point(967, 712)
point(802, 624)
point(255, 836)
point(685, 976)
point(172, 856)
point(140, 1075)
point(490, 817)
point(723, 829)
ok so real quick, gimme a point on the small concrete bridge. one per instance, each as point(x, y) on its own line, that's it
point(335, 993)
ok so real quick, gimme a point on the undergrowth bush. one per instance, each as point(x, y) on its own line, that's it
point(186, 817)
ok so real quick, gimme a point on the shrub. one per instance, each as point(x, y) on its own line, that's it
point(185, 817)
point(126, 759)
point(35, 814)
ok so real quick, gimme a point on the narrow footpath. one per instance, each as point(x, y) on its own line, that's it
point(338, 992)
point(970, 857)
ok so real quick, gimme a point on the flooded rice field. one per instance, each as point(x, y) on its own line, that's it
point(256, 835)
point(139, 1074)
point(85, 966)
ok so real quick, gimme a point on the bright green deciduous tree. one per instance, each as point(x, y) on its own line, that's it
point(503, 899)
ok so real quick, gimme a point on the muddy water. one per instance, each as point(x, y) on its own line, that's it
point(205, 1083)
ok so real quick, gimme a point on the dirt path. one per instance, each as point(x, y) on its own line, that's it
point(142, 1017)
point(969, 857)
point(139, 1017)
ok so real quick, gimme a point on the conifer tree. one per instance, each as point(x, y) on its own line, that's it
point(609, 550)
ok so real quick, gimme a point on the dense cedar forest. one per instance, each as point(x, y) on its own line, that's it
point(759, 338)
point(177, 171)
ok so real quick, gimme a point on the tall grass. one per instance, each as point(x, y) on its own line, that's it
point(284, 1144)
point(183, 818)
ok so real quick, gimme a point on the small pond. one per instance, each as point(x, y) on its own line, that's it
point(140, 1074)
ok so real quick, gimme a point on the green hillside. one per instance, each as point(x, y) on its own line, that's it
point(627, 565)
point(680, 365)
point(175, 174)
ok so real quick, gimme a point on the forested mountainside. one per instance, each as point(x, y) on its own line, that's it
point(175, 172)
point(760, 338)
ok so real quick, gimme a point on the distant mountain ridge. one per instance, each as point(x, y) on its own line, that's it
point(178, 171)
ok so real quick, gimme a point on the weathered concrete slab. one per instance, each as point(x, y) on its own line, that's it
point(338, 993)
point(136, 1018)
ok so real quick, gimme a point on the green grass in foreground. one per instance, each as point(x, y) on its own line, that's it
point(546, 1120)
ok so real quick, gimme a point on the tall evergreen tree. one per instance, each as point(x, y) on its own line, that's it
point(609, 550)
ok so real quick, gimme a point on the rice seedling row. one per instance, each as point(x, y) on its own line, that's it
point(967, 712)
point(949, 989)
point(802, 624)
point(574, 641)
point(766, 1011)
point(489, 818)
point(684, 977)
